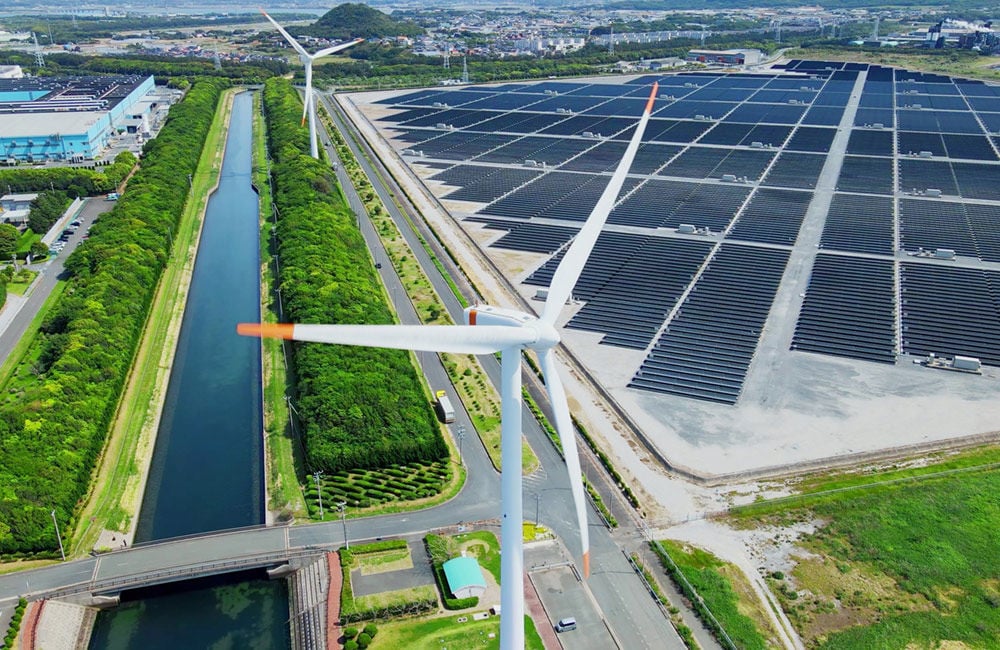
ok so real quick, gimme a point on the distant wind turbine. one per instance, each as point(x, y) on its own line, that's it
point(309, 105)
point(488, 330)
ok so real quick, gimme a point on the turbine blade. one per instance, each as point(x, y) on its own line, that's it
point(460, 339)
point(336, 48)
point(288, 37)
point(573, 262)
point(564, 426)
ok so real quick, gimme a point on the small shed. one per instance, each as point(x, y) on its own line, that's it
point(465, 578)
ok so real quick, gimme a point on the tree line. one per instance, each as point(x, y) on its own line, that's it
point(359, 407)
point(74, 181)
point(61, 398)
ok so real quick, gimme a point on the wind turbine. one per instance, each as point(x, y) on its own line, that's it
point(309, 105)
point(488, 330)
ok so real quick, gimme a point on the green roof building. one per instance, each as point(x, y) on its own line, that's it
point(465, 578)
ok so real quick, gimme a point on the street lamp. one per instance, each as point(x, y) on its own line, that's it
point(58, 536)
point(343, 518)
point(319, 491)
point(538, 498)
point(461, 437)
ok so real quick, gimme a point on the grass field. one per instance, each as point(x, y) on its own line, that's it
point(283, 462)
point(396, 559)
point(907, 563)
point(388, 599)
point(482, 545)
point(448, 633)
point(725, 592)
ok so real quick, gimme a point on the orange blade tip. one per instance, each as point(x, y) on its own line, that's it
point(652, 97)
point(266, 330)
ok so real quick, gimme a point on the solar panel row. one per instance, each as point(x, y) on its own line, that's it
point(950, 311)
point(849, 309)
point(706, 349)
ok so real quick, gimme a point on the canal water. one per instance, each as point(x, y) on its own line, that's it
point(207, 468)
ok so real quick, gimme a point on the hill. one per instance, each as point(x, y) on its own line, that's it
point(354, 20)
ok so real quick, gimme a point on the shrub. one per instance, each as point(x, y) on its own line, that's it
point(371, 630)
point(351, 645)
point(364, 640)
point(350, 633)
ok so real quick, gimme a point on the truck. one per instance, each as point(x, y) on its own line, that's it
point(445, 411)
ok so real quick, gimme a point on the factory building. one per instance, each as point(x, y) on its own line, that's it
point(70, 118)
point(725, 57)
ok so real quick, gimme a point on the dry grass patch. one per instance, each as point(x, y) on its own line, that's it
point(832, 595)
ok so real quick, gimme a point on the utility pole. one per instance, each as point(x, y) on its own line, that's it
point(317, 475)
point(538, 498)
point(461, 437)
point(58, 536)
point(343, 518)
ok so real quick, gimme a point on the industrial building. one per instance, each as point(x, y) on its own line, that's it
point(15, 208)
point(725, 57)
point(70, 118)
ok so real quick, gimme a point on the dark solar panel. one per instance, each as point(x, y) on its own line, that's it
point(848, 309)
point(716, 162)
point(824, 115)
point(483, 184)
point(795, 170)
point(859, 224)
point(746, 134)
point(866, 174)
point(668, 204)
point(706, 348)
point(552, 151)
point(772, 217)
point(530, 237)
point(950, 311)
point(814, 139)
point(518, 122)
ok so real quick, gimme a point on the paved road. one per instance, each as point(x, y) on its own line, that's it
point(50, 271)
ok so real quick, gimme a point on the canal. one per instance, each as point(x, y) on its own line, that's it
point(207, 468)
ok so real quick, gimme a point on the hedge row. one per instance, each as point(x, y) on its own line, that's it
point(76, 181)
point(60, 402)
point(15, 623)
point(360, 407)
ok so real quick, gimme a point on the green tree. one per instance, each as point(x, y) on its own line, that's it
point(38, 249)
point(8, 240)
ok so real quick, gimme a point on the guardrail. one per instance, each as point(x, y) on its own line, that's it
point(180, 572)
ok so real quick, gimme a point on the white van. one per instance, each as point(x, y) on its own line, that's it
point(566, 624)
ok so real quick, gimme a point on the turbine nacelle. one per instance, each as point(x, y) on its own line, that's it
point(546, 335)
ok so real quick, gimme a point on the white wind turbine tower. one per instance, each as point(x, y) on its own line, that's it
point(488, 330)
point(309, 105)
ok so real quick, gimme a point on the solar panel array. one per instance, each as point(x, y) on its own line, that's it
point(695, 249)
point(849, 309)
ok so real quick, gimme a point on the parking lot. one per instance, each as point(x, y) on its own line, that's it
point(563, 595)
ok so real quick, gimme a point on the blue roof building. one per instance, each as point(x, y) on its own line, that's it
point(465, 578)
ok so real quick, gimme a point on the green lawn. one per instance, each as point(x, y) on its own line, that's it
point(398, 598)
point(21, 282)
point(392, 560)
point(448, 633)
point(484, 547)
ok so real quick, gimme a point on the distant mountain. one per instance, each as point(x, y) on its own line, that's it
point(355, 20)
